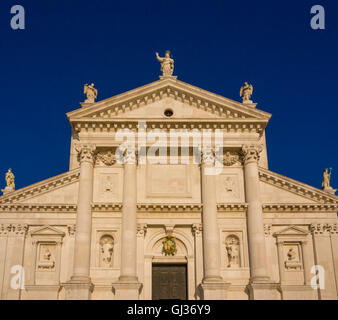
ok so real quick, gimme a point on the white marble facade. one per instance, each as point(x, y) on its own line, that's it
point(95, 231)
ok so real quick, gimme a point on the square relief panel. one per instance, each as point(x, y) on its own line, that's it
point(229, 188)
point(168, 181)
point(107, 186)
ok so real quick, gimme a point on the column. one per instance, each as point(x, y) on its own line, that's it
point(80, 287)
point(213, 286)
point(280, 245)
point(197, 233)
point(14, 273)
point(260, 284)
point(306, 263)
point(128, 286)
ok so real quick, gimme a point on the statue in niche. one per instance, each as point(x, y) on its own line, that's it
point(246, 92)
point(167, 64)
point(232, 247)
point(91, 93)
point(106, 250)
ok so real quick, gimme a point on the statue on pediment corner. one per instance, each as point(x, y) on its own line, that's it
point(326, 181)
point(246, 93)
point(10, 181)
point(167, 64)
point(91, 93)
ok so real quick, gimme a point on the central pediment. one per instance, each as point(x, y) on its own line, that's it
point(168, 100)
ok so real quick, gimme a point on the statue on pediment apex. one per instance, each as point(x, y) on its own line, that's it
point(91, 93)
point(167, 64)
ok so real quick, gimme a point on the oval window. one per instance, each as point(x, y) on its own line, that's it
point(168, 113)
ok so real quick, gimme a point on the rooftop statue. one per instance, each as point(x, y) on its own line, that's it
point(91, 93)
point(167, 64)
point(326, 181)
point(10, 181)
point(246, 92)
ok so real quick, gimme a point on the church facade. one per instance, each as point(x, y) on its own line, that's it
point(158, 219)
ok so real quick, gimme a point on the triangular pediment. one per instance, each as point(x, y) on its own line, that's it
point(150, 102)
point(47, 231)
point(277, 189)
point(291, 230)
point(59, 189)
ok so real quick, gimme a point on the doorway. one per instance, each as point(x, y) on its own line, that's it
point(169, 281)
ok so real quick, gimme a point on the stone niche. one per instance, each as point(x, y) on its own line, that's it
point(106, 250)
point(46, 245)
point(290, 246)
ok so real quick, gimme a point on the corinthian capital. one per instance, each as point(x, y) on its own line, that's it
point(86, 152)
point(251, 152)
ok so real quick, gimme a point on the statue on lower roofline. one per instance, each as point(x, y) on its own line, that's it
point(91, 93)
point(10, 181)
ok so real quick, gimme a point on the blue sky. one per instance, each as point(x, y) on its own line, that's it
point(217, 45)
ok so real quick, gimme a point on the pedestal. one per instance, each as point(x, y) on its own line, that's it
point(127, 290)
point(78, 290)
point(263, 291)
point(214, 290)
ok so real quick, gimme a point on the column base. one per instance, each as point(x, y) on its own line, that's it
point(298, 292)
point(127, 290)
point(78, 288)
point(214, 289)
point(263, 290)
point(42, 292)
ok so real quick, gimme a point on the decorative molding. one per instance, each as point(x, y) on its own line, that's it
point(196, 229)
point(299, 207)
point(42, 187)
point(45, 208)
point(71, 229)
point(107, 158)
point(296, 187)
point(86, 152)
point(232, 207)
point(323, 228)
point(230, 158)
point(251, 153)
point(141, 229)
point(169, 207)
point(235, 126)
point(104, 207)
point(267, 229)
point(14, 229)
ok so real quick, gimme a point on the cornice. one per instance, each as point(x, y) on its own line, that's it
point(154, 207)
point(296, 187)
point(232, 207)
point(299, 207)
point(41, 187)
point(112, 125)
point(104, 207)
point(37, 208)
